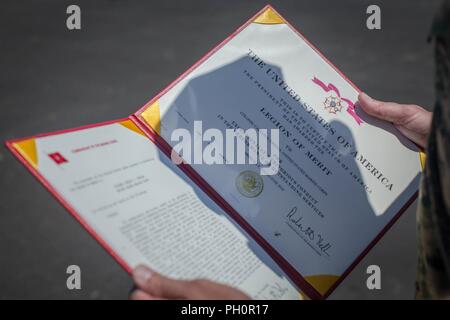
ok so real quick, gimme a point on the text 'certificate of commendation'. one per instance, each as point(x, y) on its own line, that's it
point(343, 176)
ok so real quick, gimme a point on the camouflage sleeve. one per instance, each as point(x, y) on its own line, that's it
point(433, 273)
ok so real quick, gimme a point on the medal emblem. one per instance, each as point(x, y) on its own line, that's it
point(250, 184)
point(333, 104)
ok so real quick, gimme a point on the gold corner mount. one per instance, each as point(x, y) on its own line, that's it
point(269, 16)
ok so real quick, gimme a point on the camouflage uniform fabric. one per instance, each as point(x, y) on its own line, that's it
point(433, 227)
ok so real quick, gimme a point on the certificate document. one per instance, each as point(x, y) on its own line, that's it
point(342, 178)
point(144, 210)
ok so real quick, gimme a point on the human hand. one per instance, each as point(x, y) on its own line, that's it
point(153, 286)
point(412, 121)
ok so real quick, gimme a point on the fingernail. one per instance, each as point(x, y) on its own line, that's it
point(141, 275)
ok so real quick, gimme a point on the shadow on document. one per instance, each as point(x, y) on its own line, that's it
point(202, 97)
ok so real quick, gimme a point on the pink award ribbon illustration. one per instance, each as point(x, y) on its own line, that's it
point(350, 104)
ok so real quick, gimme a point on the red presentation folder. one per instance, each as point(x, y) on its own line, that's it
point(163, 145)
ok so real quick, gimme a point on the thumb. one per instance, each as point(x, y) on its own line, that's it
point(388, 111)
point(158, 286)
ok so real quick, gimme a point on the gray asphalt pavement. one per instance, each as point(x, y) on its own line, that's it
point(127, 51)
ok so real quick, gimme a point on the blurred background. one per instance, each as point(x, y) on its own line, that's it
point(126, 52)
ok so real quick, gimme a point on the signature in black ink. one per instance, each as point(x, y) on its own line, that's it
point(296, 219)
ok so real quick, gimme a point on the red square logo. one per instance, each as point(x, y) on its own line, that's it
point(57, 157)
